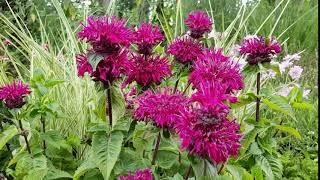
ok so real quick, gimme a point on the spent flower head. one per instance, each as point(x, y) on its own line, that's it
point(13, 94)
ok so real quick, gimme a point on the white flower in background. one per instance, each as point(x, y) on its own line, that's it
point(284, 91)
point(295, 72)
point(284, 65)
point(269, 74)
point(239, 61)
point(86, 3)
point(306, 93)
point(235, 50)
point(293, 57)
point(250, 37)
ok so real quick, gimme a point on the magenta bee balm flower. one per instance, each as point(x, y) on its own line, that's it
point(199, 23)
point(163, 108)
point(147, 69)
point(259, 49)
point(144, 174)
point(213, 66)
point(106, 34)
point(83, 65)
point(146, 37)
point(185, 49)
point(13, 94)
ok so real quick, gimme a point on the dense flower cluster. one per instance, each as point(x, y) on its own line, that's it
point(199, 23)
point(185, 49)
point(109, 68)
point(144, 174)
point(212, 65)
point(13, 94)
point(259, 49)
point(106, 34)
point(147, 36)
point(147, 69)
point(164, 108)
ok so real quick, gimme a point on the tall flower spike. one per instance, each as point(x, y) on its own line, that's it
point(147, 69)
point(213, 66)
point(185, 49)
point(83, 65)
point(147, 36)
point(144, 174)
point(163, 108)
point(13, 94)
point(106, 34)
point(259, 49)
point(199, 23)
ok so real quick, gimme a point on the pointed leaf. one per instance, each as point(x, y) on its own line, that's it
point(7, 134)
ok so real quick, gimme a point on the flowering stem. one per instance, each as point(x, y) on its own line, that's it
point(43, 122)
point(156, 149)
point(109, 103)
point(176, 85)
point(258, 99)
point(188, 172)
point(23, 133)
point(7, 145)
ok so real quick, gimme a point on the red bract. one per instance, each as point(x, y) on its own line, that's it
point(147, 69)
point(106, 34)
point(163, 108)
point(185, 49)
point(13, 94)
point(144, 174)
point(259, 49)
point(83, 65)
point(207, 136)
point(213, 66)
point(199, 23)
point(146, 37)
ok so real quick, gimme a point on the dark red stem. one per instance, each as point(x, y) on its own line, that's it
point(23, 133)
point(109, 102)
point(258, 99)
point(43, 122)
point(188, 172)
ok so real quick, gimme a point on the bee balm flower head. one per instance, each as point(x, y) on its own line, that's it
point(199, 23)
point(144, 174)
point(13, 94)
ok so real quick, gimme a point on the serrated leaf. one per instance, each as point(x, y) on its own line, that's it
point(106, 150)
point(254, 149)
point(263, 163)
point(7, 134)
point(289, 130)
point(54, 173)
point(256, 171)
point(30, 168)
point(303, 106)
point(280, 104)
point(239, 173)
point(123, 124)
point(55, 139)
point(87, 165)
point(165, 159)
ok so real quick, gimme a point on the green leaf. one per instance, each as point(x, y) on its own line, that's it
point(31, 168)
point(123, 124)
point(263, 163)
point(87, 165)
point(256, 171)
point(106, 150)
point(176, 177)
point(7, 134)
point(239, 173)
point(289, 130)
point(166, 159)
point(304, 105)
point(250, 69)
point(280, 104)
point(254, 149)
point(94, 59)
point(53, 82)
point(55, 139)
point(244, 99)
point(54, 173)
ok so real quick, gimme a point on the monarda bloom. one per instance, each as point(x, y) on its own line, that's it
point(163, 108)
point(13, 94)
point(199, 23)
point(259, 49)
point(213, 66)
point(108, 69)
point(106, 34)
point(204, 134)
point(185, 49)
point(147, 36)
point(83, 65)
point(144, 174)
point(147, 69)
